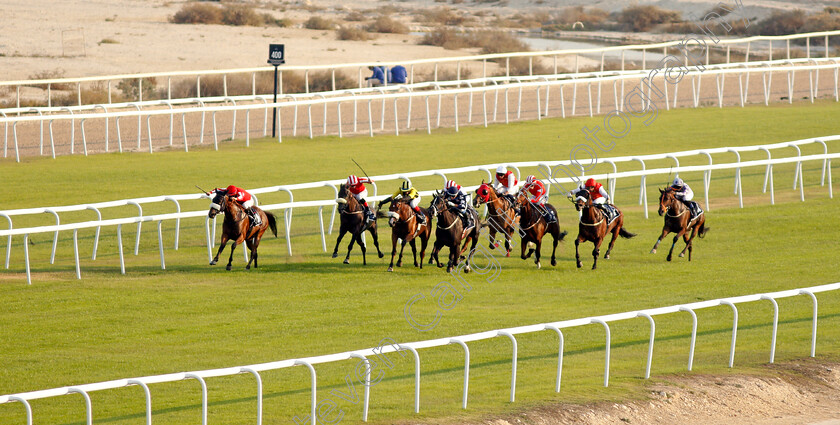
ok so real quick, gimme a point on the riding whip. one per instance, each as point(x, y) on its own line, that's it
point(360, 167)
point(202, 190)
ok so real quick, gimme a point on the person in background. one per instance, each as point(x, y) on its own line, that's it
point(378, 76)
point(397, 75)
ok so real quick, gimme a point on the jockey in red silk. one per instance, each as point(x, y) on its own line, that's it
point(539, 196)
point(599, 195)
point(242, 197)
point(356, 186)
point(505, 183)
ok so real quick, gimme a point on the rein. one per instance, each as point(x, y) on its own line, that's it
point(457, 218)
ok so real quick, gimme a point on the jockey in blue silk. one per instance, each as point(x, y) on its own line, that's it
point(456, 199)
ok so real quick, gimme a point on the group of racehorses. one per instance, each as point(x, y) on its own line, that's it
point(450, 231)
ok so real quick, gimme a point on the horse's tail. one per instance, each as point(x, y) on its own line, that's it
point(272, 222)
point(625, 234)
point(703, 229)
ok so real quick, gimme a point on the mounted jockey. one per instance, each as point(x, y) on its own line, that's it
point(599, 196)
point(407, 191)
point(685, 194)
point(505, 184)
point(243, 198)
point(539, 196)
point(457, 199)
point(356, 186)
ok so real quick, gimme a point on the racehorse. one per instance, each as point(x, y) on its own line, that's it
point(534, 227)
point(353, 221)
point(678, 220)
point(501, 214)
point(593, 227)
point(236, 228)
point(404, 226)
point(450, 232)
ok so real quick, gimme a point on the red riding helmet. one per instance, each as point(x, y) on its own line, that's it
point(231, 189)
point(590, 183)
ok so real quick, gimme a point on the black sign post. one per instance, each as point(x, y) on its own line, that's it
point(276, 57)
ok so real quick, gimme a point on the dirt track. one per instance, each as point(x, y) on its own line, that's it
point(29, 134)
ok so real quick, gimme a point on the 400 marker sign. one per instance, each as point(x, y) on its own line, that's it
point(276, 54)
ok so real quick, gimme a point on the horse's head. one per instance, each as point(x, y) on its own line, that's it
point(583, 200)
point(398, 211)
point(217, 205)
point(482, 194)
point(345, 198)
point(666, 200)
point(438, 205)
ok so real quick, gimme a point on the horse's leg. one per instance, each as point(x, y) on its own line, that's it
point(665, 231)
point(375, 243)
point(689, 241)
point(423, 243)
point(596, 252)
point(556, 237)
point(364, 248)
point(676, 238)
point(492, 236)
point(414, 250)
point(523, 246)
point(454, 253)
point(350, 247)
point(402, 248)
point(467, 268)
point(538, 243)
point(222, 244)
point(615, 231)
point(685, 239)
point(393, 251)
point(249, 243)
point(230, 260)
point(577, 251)
point(341, 233)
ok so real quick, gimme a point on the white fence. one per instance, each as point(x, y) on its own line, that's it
point(474, 87)
point(462, 340)
point(740, 44)
point(545, 168)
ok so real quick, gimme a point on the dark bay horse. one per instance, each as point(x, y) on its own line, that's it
point(678, 220)
point(236, 228)
point(404, 226)
point(353, 221)
point(534, 226)
point(450, 233)
point(593, 227)
point(501, 216)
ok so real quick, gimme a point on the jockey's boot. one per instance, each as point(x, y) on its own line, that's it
point(512, 201)
point(552, 216)
point(467, 217)
point(421, 218)
point(255, 218)
point(368, 213)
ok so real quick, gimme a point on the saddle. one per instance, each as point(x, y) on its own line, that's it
point(694, 209)
point(611, 213)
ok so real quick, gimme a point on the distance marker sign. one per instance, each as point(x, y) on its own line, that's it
point(276, 54)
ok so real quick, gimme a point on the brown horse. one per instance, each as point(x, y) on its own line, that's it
point(450, 232)
point(534, 226)
point(236, 228)
point(404, 226)
point(678, 220)
point(353, 221)
point(501, 214)
point(593, 227)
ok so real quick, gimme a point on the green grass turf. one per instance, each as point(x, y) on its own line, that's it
point(61, 331)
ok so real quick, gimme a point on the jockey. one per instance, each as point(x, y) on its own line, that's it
point(505, 183)
point(539, 196)
point(457, 199)
point(685, 194)
point(407, 191)
point(599, 195)
point(356, 186)
point(242, 197)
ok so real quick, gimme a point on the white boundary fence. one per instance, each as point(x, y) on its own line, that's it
point(546, 168)
point(462, 340)
point(474, 87)
point(744, 44)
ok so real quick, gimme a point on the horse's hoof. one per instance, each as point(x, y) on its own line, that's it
point(653, 251)
point(553, 263)
point(669, 258)
point(213, 263)
point(607, 257)
point(227, 267)
point(538, 265)
point(594, 267)
point(467, 269)
point(248, 267)
point(493, 246)
point(335, 255)
point(390, 269)
point(440, 266)
point(346, 261)
point(579, 265)
point(682, 255)
point(381, 255)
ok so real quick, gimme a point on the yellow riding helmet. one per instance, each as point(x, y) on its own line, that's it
point(405, 187)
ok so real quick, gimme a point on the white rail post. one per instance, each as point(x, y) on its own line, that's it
point(76, 253)
point(139, 225)
point(416, 375)
point(797, 176)
point(17, 151)
point(9, 239)
point(559, 356)
point(120, 248)
point(825, 160)
point(737, 189)
point(6, 136)
point(208, 239)
point(813, 320)
point(88, 408)
point(707, 180)
point(734, 331)
point(139, 126)
point(428, 118)
point(366, 402)
point(314, 387)
point(26, 258)
point(203, 395)
point(148, 395)
point(55, 235)
point(466, 369)
point(775, 325)
point(650, 343)
point(41, 146)
point(643, 187)
point(25, 405)
point(606, 350)
point(259, 391)
point(160, 244)
point(177, 220)
point(106, 125)
point(513, 364)
point(693, 335)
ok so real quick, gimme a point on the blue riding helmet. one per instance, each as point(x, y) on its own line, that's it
point(452, 191)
